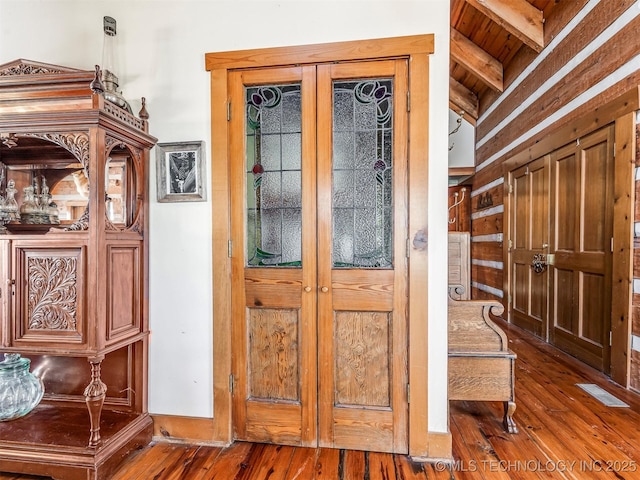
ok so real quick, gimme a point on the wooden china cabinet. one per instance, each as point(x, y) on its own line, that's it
point(73, 271)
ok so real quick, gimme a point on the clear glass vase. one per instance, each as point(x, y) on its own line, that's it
point(20, 390)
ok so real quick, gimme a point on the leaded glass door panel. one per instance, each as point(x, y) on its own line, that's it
point(318, 177)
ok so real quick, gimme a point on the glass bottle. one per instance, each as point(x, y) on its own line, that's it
point(28, 208)
point(10, 203)
point(20, 390)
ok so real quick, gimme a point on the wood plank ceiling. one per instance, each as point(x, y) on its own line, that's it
point(486, 38)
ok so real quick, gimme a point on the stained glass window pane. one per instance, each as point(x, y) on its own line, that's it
point(362, 174)
point(273, 160)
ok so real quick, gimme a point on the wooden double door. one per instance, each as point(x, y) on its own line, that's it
point(560, 247)
point(318, 176)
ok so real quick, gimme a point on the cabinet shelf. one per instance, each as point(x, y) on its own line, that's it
point(31, 228)
point(54, 440)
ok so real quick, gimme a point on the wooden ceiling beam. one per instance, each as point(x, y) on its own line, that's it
point(475, 60)
point(518, 17)
point(464, 100)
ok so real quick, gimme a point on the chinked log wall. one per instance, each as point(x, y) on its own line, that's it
point(591, 58)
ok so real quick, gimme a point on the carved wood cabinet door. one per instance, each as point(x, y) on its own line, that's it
point(319, 266)
point(49, 292)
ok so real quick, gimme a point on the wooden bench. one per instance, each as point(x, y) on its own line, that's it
point(481, 366)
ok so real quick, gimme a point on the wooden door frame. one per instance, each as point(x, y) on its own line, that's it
point(416, 49)
point(621, 113)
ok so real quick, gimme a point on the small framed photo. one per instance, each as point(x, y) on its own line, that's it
point(180, 172)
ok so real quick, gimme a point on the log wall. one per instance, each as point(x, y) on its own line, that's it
point(591, 58)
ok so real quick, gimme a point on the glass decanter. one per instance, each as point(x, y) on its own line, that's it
point(20, 390)
point(10, 203)
point(28, 209)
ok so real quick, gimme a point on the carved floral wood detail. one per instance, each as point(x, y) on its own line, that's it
point(26, 69)
point(75, 142)
point(52, 293)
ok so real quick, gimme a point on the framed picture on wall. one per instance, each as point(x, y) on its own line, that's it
point(180, 172)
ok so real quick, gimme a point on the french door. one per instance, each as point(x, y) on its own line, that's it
point(561, 236)
point(318, 173)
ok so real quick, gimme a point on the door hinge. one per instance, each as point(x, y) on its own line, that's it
point(408, 248)
point(509, 299)
point(229, 111)
point(408, 393)
point(510, 188)
point(408, 101)
point(510, 244)
point(230, 249)
point(231, 383)
point(610, 338)
point(611, 244)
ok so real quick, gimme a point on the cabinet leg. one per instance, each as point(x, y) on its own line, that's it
point(509, 424)
point(94, 396)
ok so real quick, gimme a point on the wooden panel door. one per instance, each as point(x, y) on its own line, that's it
point(319, 274)
point(272, 168)
point(362, 262)
point(582, 231)
point(529, 236)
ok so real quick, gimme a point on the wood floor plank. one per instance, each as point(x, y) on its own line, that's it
point(381, 466)
point(193, 461)
point(228, 464)
point(328, 464)
point(160, 461)
point(481, 452)
point(352, 464)
point(303, 464)
point(267, 462)
point(613, 426)
point(407, 469)
point(466, 465)
point(508, 447)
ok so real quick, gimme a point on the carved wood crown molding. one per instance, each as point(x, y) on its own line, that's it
point(26, 69)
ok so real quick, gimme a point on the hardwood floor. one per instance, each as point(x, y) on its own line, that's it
point(564, 433)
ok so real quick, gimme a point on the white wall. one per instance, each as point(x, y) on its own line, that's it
point(162, 47)
point(461, 143)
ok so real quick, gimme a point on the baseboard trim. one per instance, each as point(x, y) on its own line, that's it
point(178, 429)
point(439, 448)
